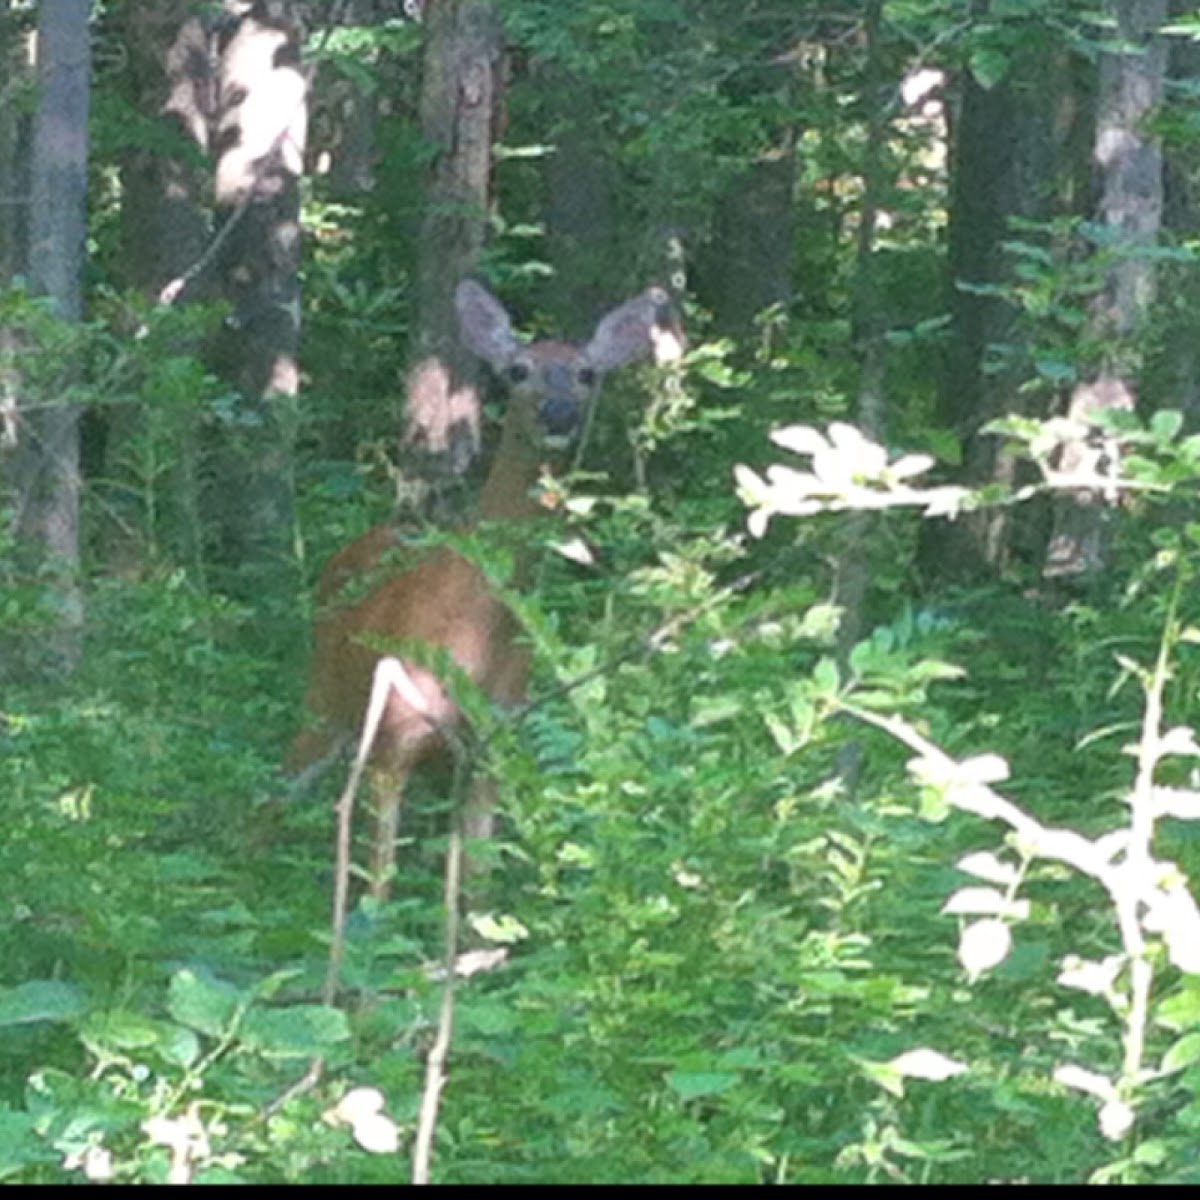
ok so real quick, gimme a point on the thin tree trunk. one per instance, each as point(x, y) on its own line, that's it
point(45, 463)
point(16, 75)
point(1014, 154)
point(461, 101)
point(1129, 162)
point(164, 233)
point(260, 146)
point(1179, 365)
point(580, 182)
point(853, 566)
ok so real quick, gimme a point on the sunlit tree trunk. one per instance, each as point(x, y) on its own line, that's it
point(259, 143)
point(44, 465)
point(1129, 162)
point(461, 101)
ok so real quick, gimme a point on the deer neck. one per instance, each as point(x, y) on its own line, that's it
point(510, 492)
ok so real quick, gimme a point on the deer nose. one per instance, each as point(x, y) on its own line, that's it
point(559, 417)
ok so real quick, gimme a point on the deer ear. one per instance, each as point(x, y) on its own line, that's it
point(484, 324)
point(627, 332)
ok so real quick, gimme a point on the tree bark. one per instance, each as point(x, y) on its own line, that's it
point(1129, 163)
point(580, 182)
point(44, 473)
point(259, 142)
point(852, 571)
point(16, 76)
point(164, 233)
point(1013, 156)
point(462, 98)
point(750, 264)
point(1178, 364)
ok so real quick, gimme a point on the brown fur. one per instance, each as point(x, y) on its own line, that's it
point(376, 586)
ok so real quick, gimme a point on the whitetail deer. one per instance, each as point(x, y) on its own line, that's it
point(442, 599)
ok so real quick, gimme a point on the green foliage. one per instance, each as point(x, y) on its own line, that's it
point(731, 957)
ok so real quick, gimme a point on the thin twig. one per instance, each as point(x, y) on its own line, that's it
point(435, 1064)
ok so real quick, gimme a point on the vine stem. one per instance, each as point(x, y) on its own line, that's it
point(435, 1064)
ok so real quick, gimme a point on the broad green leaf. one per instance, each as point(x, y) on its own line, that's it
point(121, 1030)
point(691, 1085)
point(40, 1000)
point(180, 1046)
point(301, 1031)
point(988, 67)
point(202, 1003)
point(19, 1144)
point(1184, 1053)
point(491, 1018)
point(1166, 423)
point(1182, 1010)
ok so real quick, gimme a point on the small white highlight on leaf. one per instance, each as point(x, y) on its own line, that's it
point(1087, 975)
point(983, 945)
point(95, 1161)
point(1116, 1120)
point(985, 865)
point(1180, 740)
point(909, 465)
point(577, 550)
point(983, 768)
point(358, 1103)
point(1173, 912)
point(362, 1109)
point(1083, 1080)
point(927, 1064)
point(975, 902)
point(502, 928)
point(377, 1134)
point(800, 439)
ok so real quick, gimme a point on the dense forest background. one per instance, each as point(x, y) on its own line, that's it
point(847, 833)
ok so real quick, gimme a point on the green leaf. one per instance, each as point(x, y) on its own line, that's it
point(120, 1029)
point(180, 1046)
point(489, 1018)
point(202, 1003)
point(19, 1144)
point(1182, 1010)
point(825, 676)
point(988, 67)
point(1166, 423)
point(1182, 1054)
point(40, 1000)
point(301, 1031)
point(691, 1085)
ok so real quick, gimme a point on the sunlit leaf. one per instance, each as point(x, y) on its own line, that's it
point(983, 945)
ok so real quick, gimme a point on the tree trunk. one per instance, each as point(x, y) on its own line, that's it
point(461, 101)
point(45, 463)
point(1012, 157)
point(164, 233)
point(750, 265)
point(1129, 163)
point(1178, 366)
point(263, 95)
point(16, 77)
point(852, 571)
point(580, 182)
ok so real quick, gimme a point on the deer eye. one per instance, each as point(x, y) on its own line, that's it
point(587, 376)
point(518, 372)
